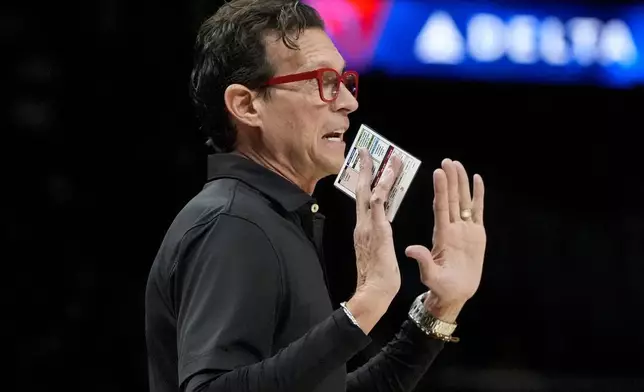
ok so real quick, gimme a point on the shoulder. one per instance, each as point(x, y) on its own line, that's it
point(220, 201)
point(234, 198)
point(224, 213)
point(218, 232)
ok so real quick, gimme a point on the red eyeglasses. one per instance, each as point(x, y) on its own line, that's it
point(328, 82)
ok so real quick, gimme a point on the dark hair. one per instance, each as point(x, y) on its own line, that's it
point(230, 49)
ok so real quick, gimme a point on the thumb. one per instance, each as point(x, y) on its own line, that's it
point(424, 258)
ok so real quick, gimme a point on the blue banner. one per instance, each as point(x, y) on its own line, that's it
point(488, 41)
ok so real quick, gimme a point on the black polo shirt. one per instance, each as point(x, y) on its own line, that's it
point(237, 299)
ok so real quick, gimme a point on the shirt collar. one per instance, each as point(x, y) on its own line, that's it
point(269, 183)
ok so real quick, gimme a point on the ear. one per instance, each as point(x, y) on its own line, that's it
point(241, 104)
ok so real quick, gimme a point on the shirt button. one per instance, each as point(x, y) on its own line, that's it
point(315, 208)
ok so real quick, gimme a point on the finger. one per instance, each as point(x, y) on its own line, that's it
point(477, 202)
point(464, 197)
point(363, 188)
point(423, 256)
point(383, 188)
point(397, 166)
point(452, 190)
point(441, 203)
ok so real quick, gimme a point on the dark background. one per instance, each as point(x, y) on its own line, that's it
point(103, 151)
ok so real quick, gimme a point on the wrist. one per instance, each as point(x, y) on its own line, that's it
point(383, 289)
point(443, 310)
point(430, 324)
point(368, 305)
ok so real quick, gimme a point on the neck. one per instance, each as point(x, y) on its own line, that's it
point(273, 163)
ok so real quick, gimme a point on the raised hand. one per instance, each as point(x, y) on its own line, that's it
point(376, 262)
point(452, 269)
point(375, 255)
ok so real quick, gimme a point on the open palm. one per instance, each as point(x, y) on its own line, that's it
point(453, 268)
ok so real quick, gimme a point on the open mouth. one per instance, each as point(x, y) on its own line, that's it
point(333, 136)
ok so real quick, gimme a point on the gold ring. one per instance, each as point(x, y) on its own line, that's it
point(466, 213)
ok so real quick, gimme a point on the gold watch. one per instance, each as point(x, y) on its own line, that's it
point(428, 323)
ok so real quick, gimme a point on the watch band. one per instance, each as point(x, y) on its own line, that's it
point(428, 323)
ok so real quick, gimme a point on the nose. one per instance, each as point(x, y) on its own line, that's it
point(346, 101)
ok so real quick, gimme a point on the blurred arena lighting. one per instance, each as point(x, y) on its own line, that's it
point(554, 43)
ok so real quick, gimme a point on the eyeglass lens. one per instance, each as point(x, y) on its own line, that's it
point(331, 84)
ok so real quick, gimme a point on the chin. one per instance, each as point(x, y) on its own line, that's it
point(336, 161)
point(331, 167)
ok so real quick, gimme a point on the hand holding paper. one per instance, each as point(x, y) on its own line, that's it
point(381, 151)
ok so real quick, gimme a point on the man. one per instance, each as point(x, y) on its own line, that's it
point(236, 299)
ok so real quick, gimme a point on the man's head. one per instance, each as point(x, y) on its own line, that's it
point(258, 90)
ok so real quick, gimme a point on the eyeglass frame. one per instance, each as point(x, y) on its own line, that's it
point(317, 75)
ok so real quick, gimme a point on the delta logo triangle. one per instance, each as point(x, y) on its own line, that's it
point(354, 26)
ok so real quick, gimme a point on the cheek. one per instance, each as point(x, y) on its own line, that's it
point(277, 118)
point(306, 119)
point(297, 119)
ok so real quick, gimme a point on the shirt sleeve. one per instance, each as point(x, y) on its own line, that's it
point(399, 365)
point(228, 290)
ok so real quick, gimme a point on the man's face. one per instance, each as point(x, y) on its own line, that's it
point(297, 126)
